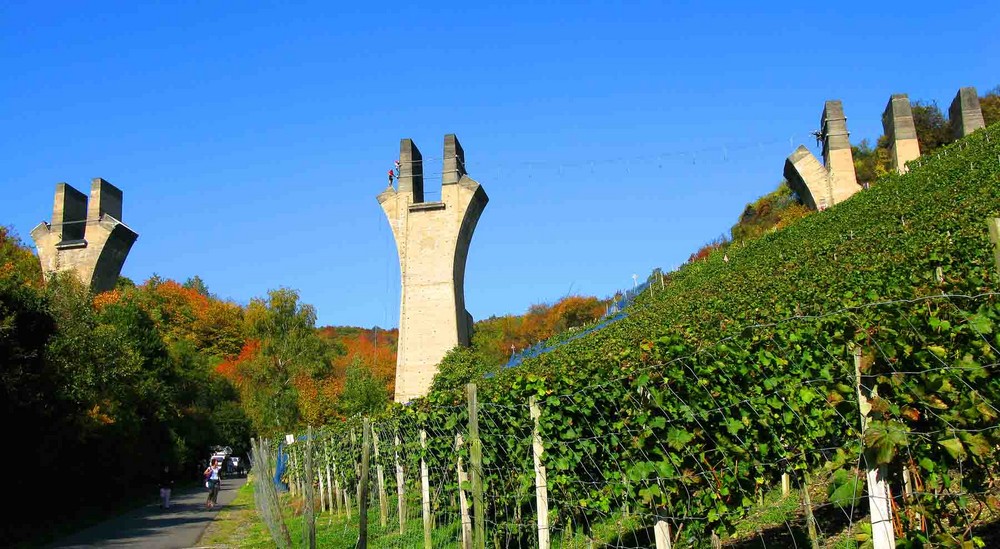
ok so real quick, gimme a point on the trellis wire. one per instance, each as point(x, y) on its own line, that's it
point(624, 455)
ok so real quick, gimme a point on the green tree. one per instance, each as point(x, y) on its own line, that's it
point(16, 260)
point(364, 393)
point(290, 347)
point(871, 163)
point(933, 131)
point(207, 410)
point(32, 415)
point(990, 103)
point(460, 366)
point(232, 426)
point(197, 284)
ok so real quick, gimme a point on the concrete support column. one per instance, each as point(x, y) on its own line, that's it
point(411, 170)
point(808, 178)
point(965, 115)
point(69, 212)
point(837, 154)
point(898, 126)
point(823, 185)
point(454, 160)
point(105, 198)
point(432, 240)
point(90, 241)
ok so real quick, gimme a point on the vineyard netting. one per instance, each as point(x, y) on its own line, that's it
point(867, 426)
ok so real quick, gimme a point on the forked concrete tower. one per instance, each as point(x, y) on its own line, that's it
point(432, 240)
point(823, 185)
point(897, 123)
point(965, 115)
point(87, 238)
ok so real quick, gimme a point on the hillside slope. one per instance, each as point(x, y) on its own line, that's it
point(743, 367)
point(885, 243)
point(748, 365)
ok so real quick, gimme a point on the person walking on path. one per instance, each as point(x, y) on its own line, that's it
point(213, 482)
point(149, 527)
point(166, 484)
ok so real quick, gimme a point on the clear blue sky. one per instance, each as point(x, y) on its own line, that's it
point(612, 138)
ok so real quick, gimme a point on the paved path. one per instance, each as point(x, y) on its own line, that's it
point(179, 527)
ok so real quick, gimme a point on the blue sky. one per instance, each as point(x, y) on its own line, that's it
point(612, 138)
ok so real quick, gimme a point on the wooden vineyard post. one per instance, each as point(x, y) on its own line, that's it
point(811, 525)
point(322, 491)
point(309, 473)
point(994, 223)
point(661, 533)
point(335, 491)
point(322, 484)
point(400, 487)
point(383, 504)
point(786, 484)
point(476, 457)
point(425, 491)
point(347, 498)
point(329, 478)
point(463, 502)
point(908, 492)
point(541, 484)
point(290, 471)
point(883, 536)
point(366, 439)
point(300, 474)
point(293, 482)
point(357, 468)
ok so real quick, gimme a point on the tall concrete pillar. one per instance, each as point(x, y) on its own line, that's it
point(89, 240)
point(69, 213)
point(823, 185)
point(411, 171)
point(808, 178)
point(898, 126)
point(837, 153)
point(432, 240)
point(965, 115)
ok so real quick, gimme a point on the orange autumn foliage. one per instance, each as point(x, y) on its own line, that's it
point(375, 348)
point(18, 261)
point(104, 299)
point(230, 368)
point(707, 249)
point(317, 398)
point(542, 321)
point(186, 314)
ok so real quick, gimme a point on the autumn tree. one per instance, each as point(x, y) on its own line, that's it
point(197, 284)
point(990, 104)
point(16, 261)
point(375, 348)
point(932, 128)
point(105, 388)
point(871, 163)
point(495, 339)
point(290, 352)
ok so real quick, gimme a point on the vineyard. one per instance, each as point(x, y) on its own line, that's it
point(831, 384)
